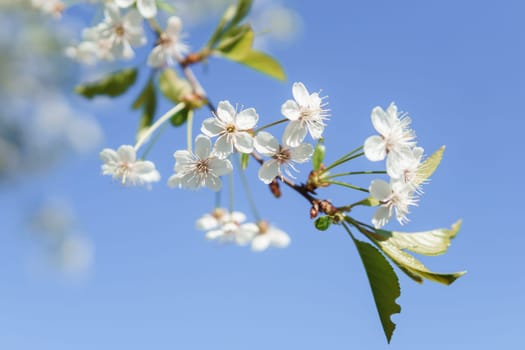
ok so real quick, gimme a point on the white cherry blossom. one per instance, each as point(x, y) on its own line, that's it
point(147, 8)
point(395, 139)
point(391, 196)
point(232, 129)
point(283, 157)
point(269, 236)
point(123, 165)
point(202, 168)
point(217, 217)
point(49, 7)
point(117, 34)
point(306, 114)
point(232, 229)
point(408, 168)
point(170, 48)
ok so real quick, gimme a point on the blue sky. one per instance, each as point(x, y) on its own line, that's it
point(456, 67)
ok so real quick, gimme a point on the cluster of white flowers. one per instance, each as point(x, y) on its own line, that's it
point(117, 35)
point(396, 143)
point(227, 226)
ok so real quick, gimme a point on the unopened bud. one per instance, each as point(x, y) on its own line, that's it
point(275, 188)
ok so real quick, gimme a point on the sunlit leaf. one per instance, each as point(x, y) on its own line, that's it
point(383, 283)
point(434, 242)
point(180, 117)
point(148, 101)
point(406, 262)
point(173, 86)
point(112, 85)
point(430, 165)
point(233, 15)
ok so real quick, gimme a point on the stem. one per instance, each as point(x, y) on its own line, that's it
point(270, 125)
point(343, 160)
point(179, 107)
point(218, 199)
point(189, 129)
point(152, 143)
point(355, 173)
point(248, 192)
point(344, 184)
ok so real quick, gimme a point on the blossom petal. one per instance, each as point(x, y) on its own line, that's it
point(316, 130)
point(206, 222)
point(112, 13)
point(214, 234)
point(175, 181)
point(243, 142)
point(147, 8)
point(302, 153)
point(246, 119)
point(124, 3)
point(108, 155)
point(126, 154)
point(280, 238)
point(268, 171)
point(225, 112)
point(301, 94)
point(266, 144)
point(236, 216)
point(202, 146)
point(381, 217)
point(396, 161)
point(260, 242)
point(383, 122)
point(220, 167)
point(290, 109)
point(223, 146)
point(380, 190)
point(157, 57)
point(294, 133)
point(211, 127)
point(375, 148)
point(174, 27)
point(213, 182)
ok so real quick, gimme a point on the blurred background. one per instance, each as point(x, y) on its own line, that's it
point(87, 263)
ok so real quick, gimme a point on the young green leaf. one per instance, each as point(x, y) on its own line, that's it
point(430, 165)
point(323, 223)
point(112, 85)
point(148, 101)
point(318, 156)
point(173, 86)
point(180, 117)
point(383, 283)
point(229, 21)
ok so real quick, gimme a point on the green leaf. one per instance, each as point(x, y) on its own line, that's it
point(318, 156)
point(229, 21)
point(112, 85)
point(430, 165)
point(383, 282)
point(180, 118)
point(245, 157)
point(173, 86)
point(166, 7)
point(237, 38)
point(406, 262)
point(148, 101)
point(323, 223)
point(434, 242)
point(241, 51)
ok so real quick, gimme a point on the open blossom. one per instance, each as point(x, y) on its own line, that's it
point(50, 7)
point(147, 8)
point(269, 236)
point(170, 48)
point(230, 228)
point(391, 196)
point(306, 114)
point(231, 128)
point(283, 157)
point(203, 168)
point(395, 138)
point(123, 165)
point(408, 169)
point(218, 216)
point(117, 34)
